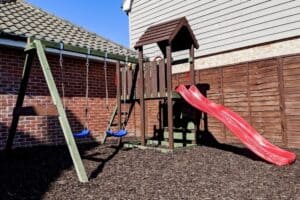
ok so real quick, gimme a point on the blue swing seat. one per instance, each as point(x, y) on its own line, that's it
point(82, 134)
point(120, 133)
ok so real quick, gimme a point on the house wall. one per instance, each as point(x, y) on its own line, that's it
point(46, 130)
point(220, 25)
point(249, 55)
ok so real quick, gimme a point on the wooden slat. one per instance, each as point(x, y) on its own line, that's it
point(158, 34)
point(137, 83)
point(162, 78)
point(49, 110)
point(169, 100)
point(129, 81)
point(147, 80)
point(154, 79)
point(141, 94)
point(291, 82)
point(20, 99)
point(291, 61)
point(122, 81)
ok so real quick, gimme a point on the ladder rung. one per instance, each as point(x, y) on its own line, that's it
point(127, 101)
point(123, 113)
point(114, 125)
point(38, 110)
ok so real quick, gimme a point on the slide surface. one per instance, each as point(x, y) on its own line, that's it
point(238, 126)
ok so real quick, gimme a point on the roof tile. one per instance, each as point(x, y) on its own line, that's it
point(20, 18)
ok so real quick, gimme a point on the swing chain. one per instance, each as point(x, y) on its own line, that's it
point(106, 85)
point(87, 64)
point(124, 86)
point(61, 64)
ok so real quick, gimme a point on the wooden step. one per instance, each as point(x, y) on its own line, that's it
point(163, 150)
point(180, 136)
point(166, 143)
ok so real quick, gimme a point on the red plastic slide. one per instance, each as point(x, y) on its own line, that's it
point(238, 126)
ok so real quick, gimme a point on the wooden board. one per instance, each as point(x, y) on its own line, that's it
point(147, 80)
point(49, 110)
point(291, 79)
point(154, 79)
point(162, 78)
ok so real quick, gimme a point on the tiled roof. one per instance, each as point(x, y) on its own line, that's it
point(166, 31)
point(19, 18)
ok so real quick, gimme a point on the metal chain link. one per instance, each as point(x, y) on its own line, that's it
point(106, 84)
point(62, 74)
point(87, 64)
point(124, 86)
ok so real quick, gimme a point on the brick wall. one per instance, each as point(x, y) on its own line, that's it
point(46, 130)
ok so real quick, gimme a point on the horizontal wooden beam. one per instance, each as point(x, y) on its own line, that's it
point(84, 50)
point(49, 110)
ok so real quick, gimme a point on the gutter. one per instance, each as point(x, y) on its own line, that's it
point(22, 45)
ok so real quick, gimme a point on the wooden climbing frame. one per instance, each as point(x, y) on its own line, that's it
point(171, 36)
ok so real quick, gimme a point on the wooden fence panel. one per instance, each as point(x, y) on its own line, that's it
point(213, 77)
point(235, 92)
point(265, 99)
point(266, 93)
point(291, 77)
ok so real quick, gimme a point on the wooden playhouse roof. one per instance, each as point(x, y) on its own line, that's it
point(177, 30)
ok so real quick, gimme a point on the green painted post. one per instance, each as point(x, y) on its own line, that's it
point(20, 99)
point(62, 114)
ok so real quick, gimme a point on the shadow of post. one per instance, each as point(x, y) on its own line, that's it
point(28, 172)
point(94, 174)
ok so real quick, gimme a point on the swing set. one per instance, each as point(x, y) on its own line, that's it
point(85, 131)
point(122, 131)
point(38, 47)
point(130, 81)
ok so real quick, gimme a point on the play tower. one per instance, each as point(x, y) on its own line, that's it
point(172, 36)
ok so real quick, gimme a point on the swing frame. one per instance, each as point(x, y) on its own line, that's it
point(38, 47)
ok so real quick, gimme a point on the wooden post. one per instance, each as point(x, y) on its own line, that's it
point(162, 78)
point(154, 85)
point(118, 72)
point(129, 80)
point(62, 114)
point(192, 65)
point(192, 82)
point(169, 91)
point(142, 100)
point(282, 101)
point(20, 98)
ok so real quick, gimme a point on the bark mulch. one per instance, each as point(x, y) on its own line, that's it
point(225, 172)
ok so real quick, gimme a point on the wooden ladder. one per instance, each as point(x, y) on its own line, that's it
point(122, 124)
